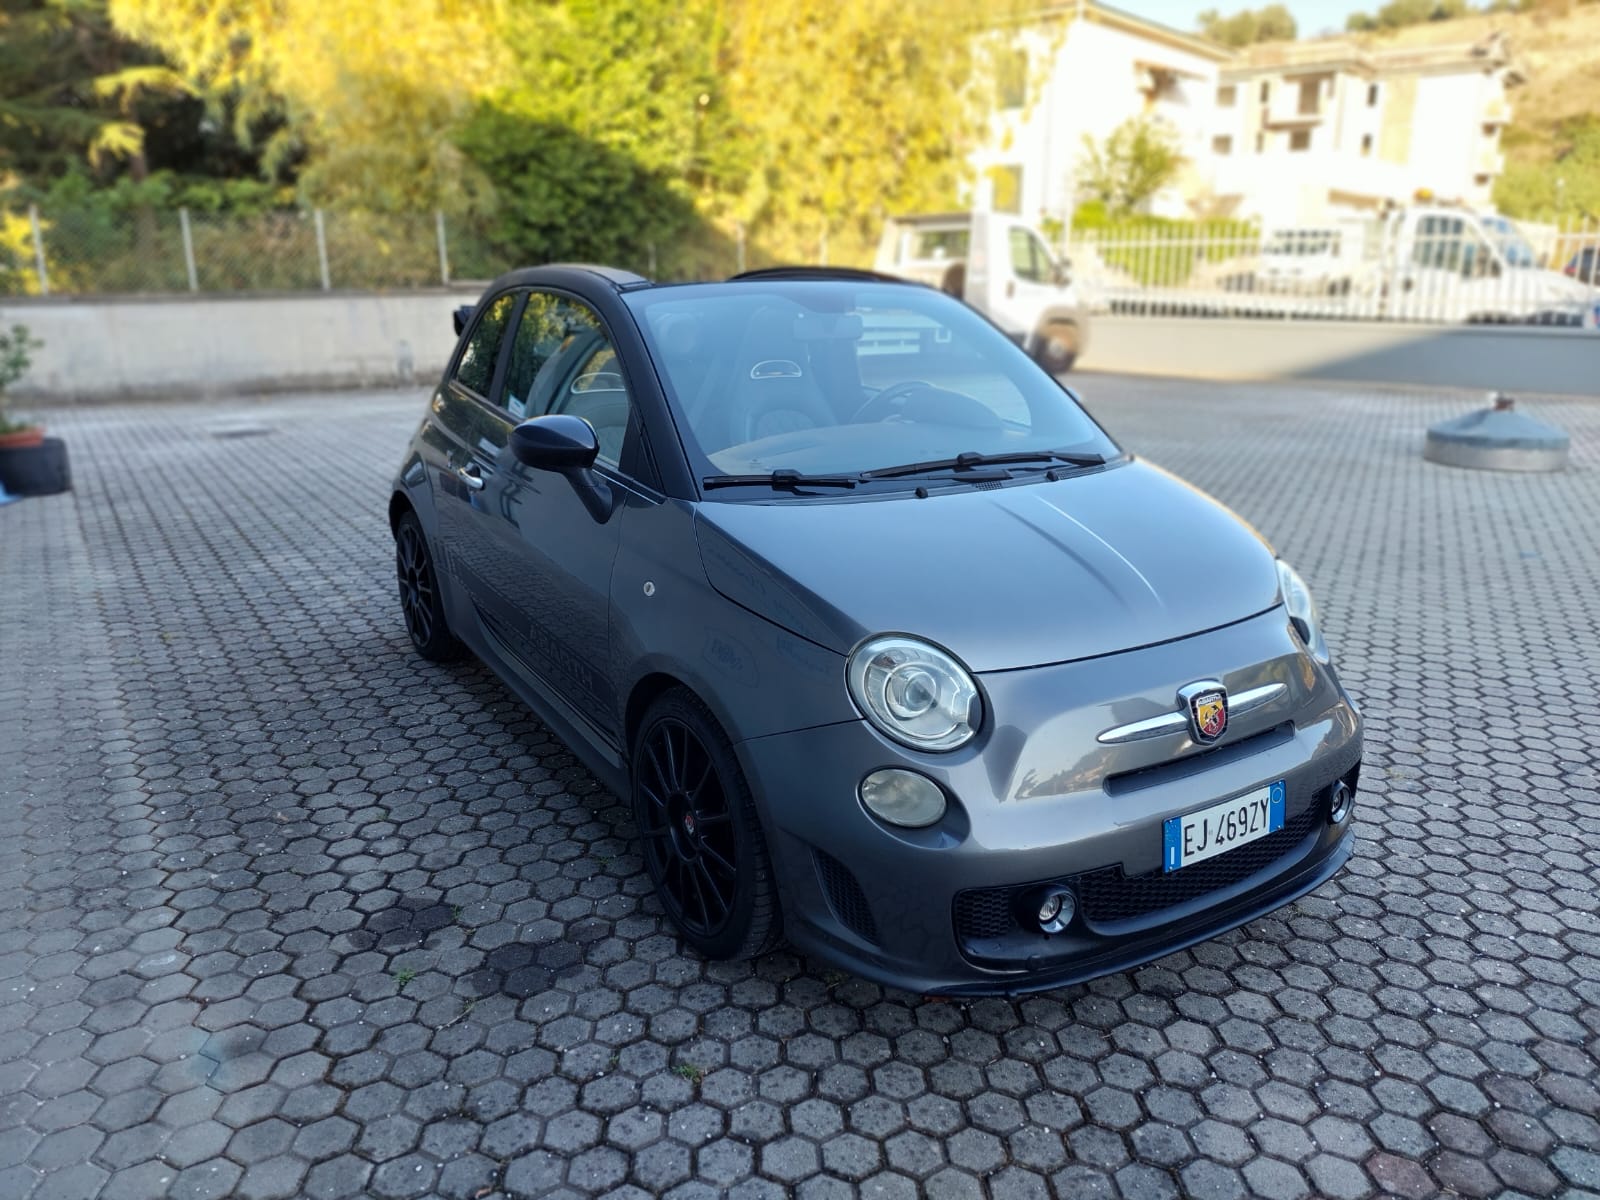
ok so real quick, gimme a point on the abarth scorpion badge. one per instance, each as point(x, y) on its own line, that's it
point(1207, 703)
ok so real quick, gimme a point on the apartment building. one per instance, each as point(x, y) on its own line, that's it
point(1309, 130)
point(1290, 133)
point(1078, 71)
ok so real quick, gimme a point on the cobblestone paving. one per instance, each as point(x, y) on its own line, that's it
point(285, 912)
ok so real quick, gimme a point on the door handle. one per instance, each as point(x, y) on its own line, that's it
point(469, 475)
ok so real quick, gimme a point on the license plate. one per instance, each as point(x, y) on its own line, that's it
point(1197, 836)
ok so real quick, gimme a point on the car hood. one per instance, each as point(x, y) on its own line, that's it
point(1004, 577)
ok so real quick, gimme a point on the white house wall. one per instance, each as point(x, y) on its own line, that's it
point(1090, 88)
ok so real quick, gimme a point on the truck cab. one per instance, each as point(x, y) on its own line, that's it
point(1000, 266)
point(1443, 262)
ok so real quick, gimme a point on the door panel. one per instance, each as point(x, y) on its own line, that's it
point(541, 565)
point(469, 436)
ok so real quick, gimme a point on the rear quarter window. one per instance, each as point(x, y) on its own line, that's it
point(476, 368)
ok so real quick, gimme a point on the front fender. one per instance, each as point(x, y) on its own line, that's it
point(756, 677)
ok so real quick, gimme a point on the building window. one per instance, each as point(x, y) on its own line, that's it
point(1489, 130)
point(1366, 145)
point(1310, 97)
point(1266, 90)
point(1007, 188)
point(1372, 95)
point(1261, 143)
point(1481, 180)
point(1222, 145)
point(1300, 139)
point(1011, 79)
point(1227, 95)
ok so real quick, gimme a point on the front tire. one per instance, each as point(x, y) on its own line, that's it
point(701, 837)
point(421, 603)
point(1057, 347)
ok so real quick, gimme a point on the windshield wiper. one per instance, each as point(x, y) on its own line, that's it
point(783, 480)
point(973, 458)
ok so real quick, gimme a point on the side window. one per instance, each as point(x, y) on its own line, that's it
point(476, 368)
point(570, 366)
point(1438, 243)
point(538, 336)
point(1029, 259)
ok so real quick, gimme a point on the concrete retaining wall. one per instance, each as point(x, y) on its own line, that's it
point(152, 348)
point(115, 349)
point(1504, 358)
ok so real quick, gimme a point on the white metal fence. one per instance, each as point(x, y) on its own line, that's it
point(1442, 268)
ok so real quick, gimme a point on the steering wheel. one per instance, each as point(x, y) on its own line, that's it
point(888, 402)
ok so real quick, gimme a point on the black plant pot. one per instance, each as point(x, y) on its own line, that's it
point(36, 470)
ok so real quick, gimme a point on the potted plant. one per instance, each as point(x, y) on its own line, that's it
point(14, 362)
point(30, 463)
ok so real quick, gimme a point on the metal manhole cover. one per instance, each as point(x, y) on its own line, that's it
point(238, 431)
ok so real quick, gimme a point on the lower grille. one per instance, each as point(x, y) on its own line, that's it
point(986, 913)
point(845, 897)
point(1107, 896)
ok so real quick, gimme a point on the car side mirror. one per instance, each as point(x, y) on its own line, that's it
point(1063, 273)
point(568, 446)
point(460, 317)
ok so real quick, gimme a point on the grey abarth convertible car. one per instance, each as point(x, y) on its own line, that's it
point(894, 650)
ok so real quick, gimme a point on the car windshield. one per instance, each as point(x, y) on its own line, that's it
point(840, 377)
point(1516, 249)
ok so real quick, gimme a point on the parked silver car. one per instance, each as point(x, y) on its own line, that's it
point(894, 650)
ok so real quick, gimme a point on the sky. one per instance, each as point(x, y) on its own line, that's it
point(1313, 16)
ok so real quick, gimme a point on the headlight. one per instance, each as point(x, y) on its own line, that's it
point(915, 693)
point(1302, 610)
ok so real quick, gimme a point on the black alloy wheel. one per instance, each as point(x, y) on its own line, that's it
point(702, 840)
point(420, 601)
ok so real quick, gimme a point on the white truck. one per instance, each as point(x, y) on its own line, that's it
point(1452, 264)
point(1001, 267)
point(1419, 262)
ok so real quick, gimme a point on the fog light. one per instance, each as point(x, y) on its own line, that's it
point(903, 798)
point(1340, 801)
point(1056, 908)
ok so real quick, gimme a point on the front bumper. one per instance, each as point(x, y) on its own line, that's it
point(1037, 800)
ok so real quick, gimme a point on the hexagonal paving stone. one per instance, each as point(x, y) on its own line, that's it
point(292, 913)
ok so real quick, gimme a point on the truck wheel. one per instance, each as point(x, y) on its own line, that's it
point(1056, 346)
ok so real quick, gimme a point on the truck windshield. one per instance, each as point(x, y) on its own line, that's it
point(1515, 248)
point(834, 376)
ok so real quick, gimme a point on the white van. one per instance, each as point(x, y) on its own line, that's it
point(1001, 267)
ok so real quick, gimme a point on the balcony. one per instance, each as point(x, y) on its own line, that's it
point(1296, 102)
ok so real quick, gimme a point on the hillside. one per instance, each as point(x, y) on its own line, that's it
point(1560, 53)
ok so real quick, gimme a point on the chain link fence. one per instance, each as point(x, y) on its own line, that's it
point(115, 252)
point(100, 251)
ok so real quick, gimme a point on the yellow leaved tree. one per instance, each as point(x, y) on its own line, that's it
point(364, 100)
point(857, 110)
